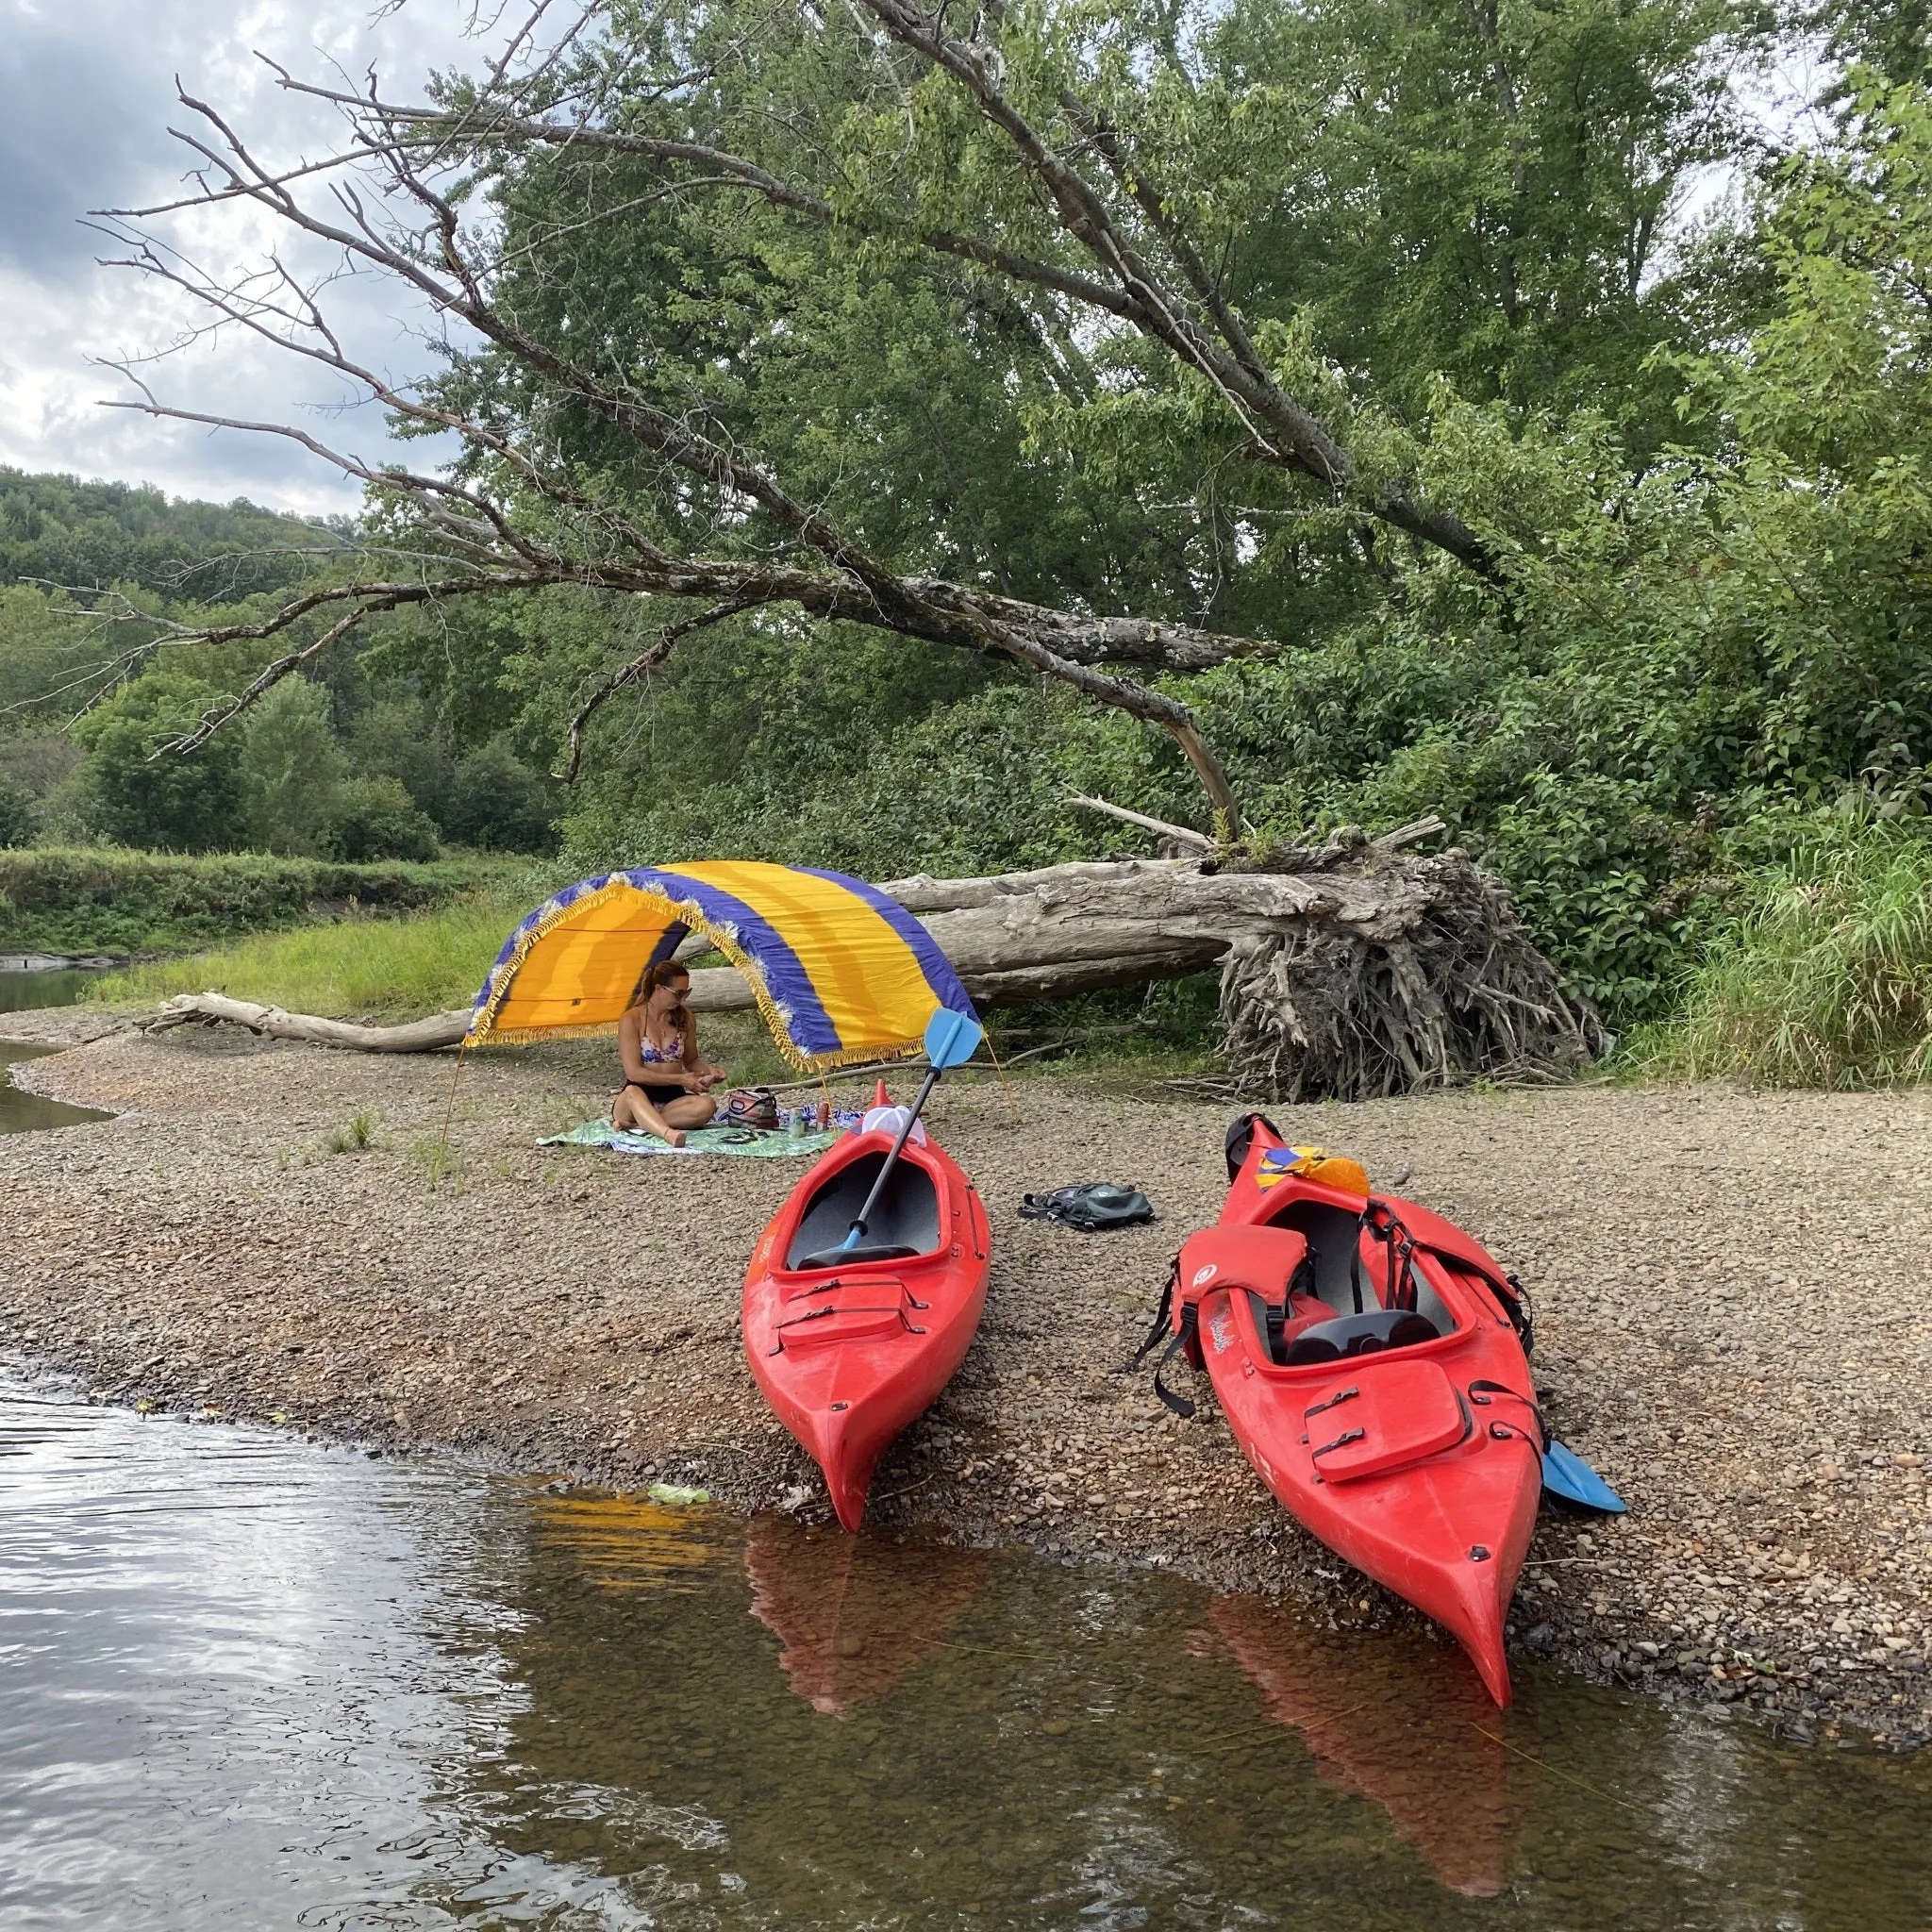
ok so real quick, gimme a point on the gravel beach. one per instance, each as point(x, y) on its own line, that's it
point(1731, 1296)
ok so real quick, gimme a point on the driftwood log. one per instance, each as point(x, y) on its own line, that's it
point(1350, 969)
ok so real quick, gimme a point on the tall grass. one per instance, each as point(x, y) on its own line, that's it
point(385, 968)
point(1825, 979)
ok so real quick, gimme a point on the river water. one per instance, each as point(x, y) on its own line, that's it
point(255, 1682)
point(22, 1112)
point(21, 990)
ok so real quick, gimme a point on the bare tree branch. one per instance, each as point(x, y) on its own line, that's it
point(640, 668)
point(478, 545)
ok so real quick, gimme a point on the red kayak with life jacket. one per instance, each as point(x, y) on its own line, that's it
point(850, 1345)
point(1371, 1360)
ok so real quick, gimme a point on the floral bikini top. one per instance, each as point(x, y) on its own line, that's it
point(654, 1056)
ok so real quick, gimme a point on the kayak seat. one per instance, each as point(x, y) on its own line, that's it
point(1372, 1333)
point(904, 1223)
point(1281, 1325)
point(1334, 1236)
point(836, 1256)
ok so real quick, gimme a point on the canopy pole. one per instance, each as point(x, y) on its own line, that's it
point(1012, 1105)
point(449, 1112)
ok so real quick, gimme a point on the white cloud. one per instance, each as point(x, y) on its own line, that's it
point(87, 94)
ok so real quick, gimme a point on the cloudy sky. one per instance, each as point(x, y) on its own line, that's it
point(87, 95)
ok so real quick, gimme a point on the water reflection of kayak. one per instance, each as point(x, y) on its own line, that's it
point(1401, 1723)
point(856, 1616)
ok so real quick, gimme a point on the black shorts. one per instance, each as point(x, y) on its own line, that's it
point(657, 1096)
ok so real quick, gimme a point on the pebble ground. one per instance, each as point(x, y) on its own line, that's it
point(1732, 1297)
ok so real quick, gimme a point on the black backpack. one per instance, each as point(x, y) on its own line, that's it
point(1092, 1206)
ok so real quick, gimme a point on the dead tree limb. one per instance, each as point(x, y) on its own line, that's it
point(1350, 968)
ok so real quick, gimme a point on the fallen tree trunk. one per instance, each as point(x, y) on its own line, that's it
point(1349, 969)
point(212, 1008)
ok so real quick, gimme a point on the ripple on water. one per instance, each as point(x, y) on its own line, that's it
point(253, 1682)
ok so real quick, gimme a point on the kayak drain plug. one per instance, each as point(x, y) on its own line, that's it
point(1478, 1553)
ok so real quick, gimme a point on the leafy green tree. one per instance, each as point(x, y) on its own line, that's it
point(290, 769)
point(498, 804)
point(139, 791)
point(374, 818)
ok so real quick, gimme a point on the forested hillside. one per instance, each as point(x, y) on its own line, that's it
point(886, 426)
point(351, 764)
point(60, 533)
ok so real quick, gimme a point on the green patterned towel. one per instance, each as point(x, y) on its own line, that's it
point(697, 1141)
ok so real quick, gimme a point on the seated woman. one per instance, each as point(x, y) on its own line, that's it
point(666, 1081)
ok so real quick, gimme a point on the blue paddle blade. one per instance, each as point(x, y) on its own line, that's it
point(1566, 1475)
point(950, 1038)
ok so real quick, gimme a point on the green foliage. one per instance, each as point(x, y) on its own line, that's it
point(140, 792)
point(99, 900)
point(401, 737)
point(357, 1136)
point(391, 968)
point(1476, 192)
point(374, 818)
point(1824, 978)
point(441, 1165)
point(50, 656)
point(18, 819)
point(498, 804)
point(291, 770)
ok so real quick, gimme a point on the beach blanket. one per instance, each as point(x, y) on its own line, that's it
point(697, 1141)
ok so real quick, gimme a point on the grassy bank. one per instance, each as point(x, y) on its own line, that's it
point(106, 900)
point(391, 968)
point(1825, 979)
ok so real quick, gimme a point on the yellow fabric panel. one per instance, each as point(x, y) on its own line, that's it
point(582, 972)
point(866, 977)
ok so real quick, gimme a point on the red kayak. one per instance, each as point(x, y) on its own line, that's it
point(1367, 1356)
point(849, 1345)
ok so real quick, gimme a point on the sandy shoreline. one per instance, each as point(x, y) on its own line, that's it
point(1730, 1289)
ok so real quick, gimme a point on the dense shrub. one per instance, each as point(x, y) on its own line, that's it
point(374, 818)
point(1823, 976)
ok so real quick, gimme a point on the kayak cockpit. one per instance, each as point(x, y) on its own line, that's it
point(1320, 1337)
point(903, 1223)
point(1313, 1277)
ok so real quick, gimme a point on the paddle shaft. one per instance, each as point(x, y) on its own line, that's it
point(878, 1186)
